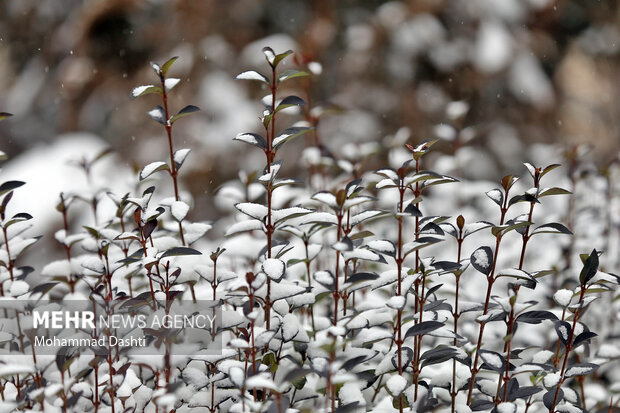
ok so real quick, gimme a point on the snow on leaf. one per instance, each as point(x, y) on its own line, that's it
point(363, 216)
point(274, 268)
point(252, 75)
point(496, 196)
point(284, 214)
point(15, 369)
point(397, 302)
point(482, 260)
point(562, 328)
point(383, 246)
point(180, 156)
point(563, 297)
point(252, 139)
point(153, 167)
point(244, 226)
point(256, 211)
point(493, 359)
point(580, 369)
point(385, 183)
point(170, 83)
point(260, 381)
point(144, 90)
point(157, 114)
point(551, 380)
point(18, 287)
point(290, 327)
point(179, 210)
point(94, 264)
point(361, 254)
point(327, 198)
point(396, 385)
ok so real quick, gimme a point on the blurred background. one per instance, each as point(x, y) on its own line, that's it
point(527, 72)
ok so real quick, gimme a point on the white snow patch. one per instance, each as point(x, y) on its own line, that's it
point(396, 385)
point(563, 297)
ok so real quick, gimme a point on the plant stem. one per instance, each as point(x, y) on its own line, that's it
point(569, 346)
point(173, 169)
point(490, 281)
point(454, 391)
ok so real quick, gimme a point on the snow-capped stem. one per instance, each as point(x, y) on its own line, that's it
point(569, 347)
point(174, 173)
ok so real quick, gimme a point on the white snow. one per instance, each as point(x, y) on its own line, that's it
point(152, 168)
point(542, 356)
point(491, 359)
point(18, 288)
point(181, 155)
point(383, 246)
point(274, 268)
point(397, 302)
point(506, 407)
point(252, 75)
point(138, 90)
point(481, 258)
point(171, 83)
point(179, 210)
point(290, 327)
point(563, 297)
point(551, 380)
point(396, 385)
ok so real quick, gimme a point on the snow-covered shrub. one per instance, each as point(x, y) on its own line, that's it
point(399, 289)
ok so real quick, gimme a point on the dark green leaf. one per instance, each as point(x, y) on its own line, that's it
point(549, 398)
point(361, 276)
point(553, 191)
point(290, 101)
point(422, 328)
point(252, 139)
point(279, 57)
point(291, 74)
point(590, 267)
point(166, 66)
point(9, 186)
point(413, 210)
point(186, 111)
point(481, 404)
point(552, 228)
point(180, 251)
point(289, 134)
point(536, 317)
point(562, 328)
point(583, 337)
